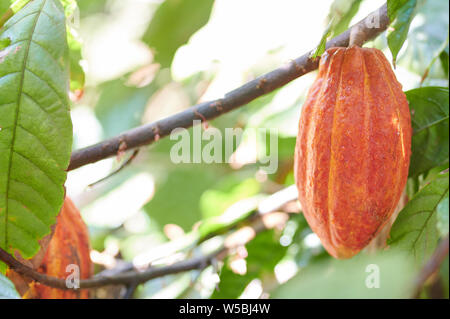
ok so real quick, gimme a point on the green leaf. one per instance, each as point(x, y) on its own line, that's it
point(430, 122)
point(35, 125)
point(393, 6)
point(352, 278)
point(323, 41)
point(425, 37)
point(173, 23)
point(7, 289)
point(401, 14)
point(415, 228)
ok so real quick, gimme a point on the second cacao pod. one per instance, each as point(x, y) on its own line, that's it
point(68, 246)
point(353, 149)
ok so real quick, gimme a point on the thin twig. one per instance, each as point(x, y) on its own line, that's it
point(130, 289)
point(431, 266)
point(368, 28)
point(122, 166)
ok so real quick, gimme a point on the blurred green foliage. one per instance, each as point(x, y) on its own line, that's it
point(173, 24)
point(351, 278)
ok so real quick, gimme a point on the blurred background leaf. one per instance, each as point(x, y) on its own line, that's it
point(172, 27)
point(341, 14)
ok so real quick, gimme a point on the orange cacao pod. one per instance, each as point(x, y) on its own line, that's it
point(353, 149)
point(69, 245)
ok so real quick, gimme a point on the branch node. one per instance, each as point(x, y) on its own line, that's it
point(156, 133)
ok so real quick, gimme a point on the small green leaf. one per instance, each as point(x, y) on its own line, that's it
point(35, 125)
point(415, 228)
point(173, 23)
point(323, 41)
point(7, 289)
point(430, 121)
point(401, 14)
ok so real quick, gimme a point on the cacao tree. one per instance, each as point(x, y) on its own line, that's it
point(128, 171)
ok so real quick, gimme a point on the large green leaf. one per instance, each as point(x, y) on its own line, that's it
point(401, 14)
point(430, 122)
point(173, 24)
point(35, 125)
point(415, 229)
point(7, 290)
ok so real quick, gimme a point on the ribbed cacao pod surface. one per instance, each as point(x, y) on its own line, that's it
point(353, 149)
point(69, 245)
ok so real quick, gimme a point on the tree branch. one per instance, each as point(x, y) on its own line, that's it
point(273, 203)
point(122, 278)
point(431, 266)
point(367, 28)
